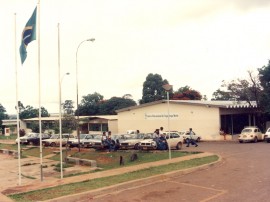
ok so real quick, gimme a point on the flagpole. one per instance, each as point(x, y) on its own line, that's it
point(39, 94)
point(17, 106)
point(60, 112)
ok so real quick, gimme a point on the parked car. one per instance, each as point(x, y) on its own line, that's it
point(116, 140)
point(132, 142)
point(55, 140)
point(90, 142)
point(267, 135)
point(74, 142)
point(172, 139)
point(186, 136)
point(88, 139)
point(251, 134)
point(32, 138)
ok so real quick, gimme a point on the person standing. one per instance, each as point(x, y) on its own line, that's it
point(191, 140)
point(161, 130)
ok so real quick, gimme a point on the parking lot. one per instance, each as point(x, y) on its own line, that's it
point(243, 175)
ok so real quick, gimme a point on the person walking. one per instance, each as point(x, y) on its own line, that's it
point(191, 140)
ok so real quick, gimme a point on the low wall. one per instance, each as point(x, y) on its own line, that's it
point(79, 161)
point(9, 152)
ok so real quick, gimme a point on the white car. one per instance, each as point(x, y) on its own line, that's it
point(267, 135)
point(116, 140)
point(55, 140)
point(75, 142)
point(133, 142)
point(24, 139)
point(251, 134)
point(186, 136)
point(174, 140)
point(88, 140)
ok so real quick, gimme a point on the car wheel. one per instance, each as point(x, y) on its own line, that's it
point(179, 146)
point(240, 141)
point(53, 144)
point(136, 147)
point(255, 140)
point(198, 139)
point(30, 143)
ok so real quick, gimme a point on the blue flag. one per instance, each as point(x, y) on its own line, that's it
point(28, 35)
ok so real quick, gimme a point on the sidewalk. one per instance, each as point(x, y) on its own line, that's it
point(51, 182)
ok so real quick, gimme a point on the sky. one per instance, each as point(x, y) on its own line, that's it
point(198, 43)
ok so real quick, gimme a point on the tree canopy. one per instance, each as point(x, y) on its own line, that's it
point(3, 114)
point(89, 104)
point(115, 103)
point(152, 88)
point(93, 104)
point(31, 112)
point(241, 90)
point(186, 93)
point(264, 77)
point(68, 107)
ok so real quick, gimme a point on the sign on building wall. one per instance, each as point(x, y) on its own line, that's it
point(160, 116)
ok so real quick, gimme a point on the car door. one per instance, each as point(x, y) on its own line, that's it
point(172, 140)
point(259, 134)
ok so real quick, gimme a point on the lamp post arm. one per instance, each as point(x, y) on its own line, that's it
point(77, 89)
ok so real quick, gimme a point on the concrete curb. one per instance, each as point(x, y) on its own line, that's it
point(134, 183)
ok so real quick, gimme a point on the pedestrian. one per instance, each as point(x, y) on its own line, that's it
point(110, 141)
point(161, 130)
point(191, 140)
point(104, 137)
point(221, 132)
point(156, 133)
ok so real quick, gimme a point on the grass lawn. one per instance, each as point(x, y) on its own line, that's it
point(111, 160)
point(11, 137)
point(10, 146)
point(54, 192)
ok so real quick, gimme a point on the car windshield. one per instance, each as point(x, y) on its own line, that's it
point(137, 136)
point(246, 130)
point(32, 135)
point(82, 136)
point(98, 137)
point(55, 136)
point(149, 136)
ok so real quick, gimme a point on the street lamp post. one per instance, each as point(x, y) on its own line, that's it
point(60, 123)
point(167, 88)
point(77, 90)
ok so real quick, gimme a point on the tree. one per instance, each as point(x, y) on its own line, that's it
point(69, 123)
point(242, 90)
point(115, 103)
point(31, 112)
point(89, 105)
point(264, 77)
point(68, 107)
point(220, 94)
point(186, 93)
point(3, 114)
point(152, 88)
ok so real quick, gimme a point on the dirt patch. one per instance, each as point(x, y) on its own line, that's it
point(105, 160)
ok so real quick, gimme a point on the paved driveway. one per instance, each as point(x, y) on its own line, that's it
point(242, 176)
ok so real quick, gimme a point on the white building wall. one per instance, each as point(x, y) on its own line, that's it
point(204, 120)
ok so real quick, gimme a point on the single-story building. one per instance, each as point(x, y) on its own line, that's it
point(205, 117)
point(87, 124)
